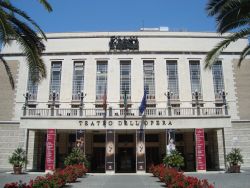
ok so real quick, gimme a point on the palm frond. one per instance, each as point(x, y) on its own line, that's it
point(3, 28)
point(233, 25)
point(233, 14)
point(244, 53)
point(213, 54)
point(15, 24)
point(229, 14)
point(31, 46)
point(21, 13)
point(28, 33)
point(213, 6)
point(46, 5)
point(8, 71)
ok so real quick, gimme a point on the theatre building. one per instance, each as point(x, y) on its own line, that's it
point(121, 96)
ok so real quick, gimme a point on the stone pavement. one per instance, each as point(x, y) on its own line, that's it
point(8, 177)
point(226, 180)
point(220, 180)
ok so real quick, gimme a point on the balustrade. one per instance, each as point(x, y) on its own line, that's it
point(121, 112)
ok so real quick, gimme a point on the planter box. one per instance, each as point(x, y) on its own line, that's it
point(234, 169)
point(17, 170)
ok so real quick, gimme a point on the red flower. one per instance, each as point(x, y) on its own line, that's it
point(174, 179)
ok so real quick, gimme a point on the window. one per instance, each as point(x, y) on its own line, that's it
point(78, 80)
point(101, 79)
point(125, 79)
point(172, 76)
point(218, 79)
point(149, 78)
point(195, 77)
point(32, 88)
point(55, 80)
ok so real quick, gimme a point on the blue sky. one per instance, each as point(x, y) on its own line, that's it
point(119, 15)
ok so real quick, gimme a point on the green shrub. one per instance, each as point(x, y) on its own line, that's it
point(76, 157)
point(18, 158)
point(234, 157)
point(174, 159)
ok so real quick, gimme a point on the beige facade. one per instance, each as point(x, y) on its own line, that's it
point(223, 129)
point(7, 96)
point(10, 133)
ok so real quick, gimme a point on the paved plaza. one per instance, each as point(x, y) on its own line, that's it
point(220, 180)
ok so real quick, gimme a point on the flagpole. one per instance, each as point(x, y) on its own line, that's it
point(142, 109)
point(105, 105)
point(125, 105)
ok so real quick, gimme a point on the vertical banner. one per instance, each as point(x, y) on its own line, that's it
point(200, 150)
point(50, 150)
point(166, 139)
point(80, 140)
point(110, 150)
point(140, 150)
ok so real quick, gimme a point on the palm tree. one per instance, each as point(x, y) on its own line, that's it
point(230, 15)
point(16, 25)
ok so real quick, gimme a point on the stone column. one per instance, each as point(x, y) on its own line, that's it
point(140, 151)
point(224, 148)
point(110, 152)
point(26, 145)
point(50, 151)
point(200, 150)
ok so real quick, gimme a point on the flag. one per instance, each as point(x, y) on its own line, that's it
point(125, 102)
point(143, 102)
point(104, 103)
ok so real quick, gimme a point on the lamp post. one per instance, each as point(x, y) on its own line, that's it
point(168, 94)
point(81, 95)
point(54, 95)
point(196, 95)
point(26, 96)
point(223, 93)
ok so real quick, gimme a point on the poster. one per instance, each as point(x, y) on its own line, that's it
point(50, 150)
point(140, 151)
point(200, 150)
point(110, 150)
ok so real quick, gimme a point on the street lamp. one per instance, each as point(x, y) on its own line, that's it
point(196, 95)
point(26, 96)
point(81, 95)
point(168, 95)
point(54, 96)
point(223, 94)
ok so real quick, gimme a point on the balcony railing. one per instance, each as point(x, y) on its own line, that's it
point(115, 113)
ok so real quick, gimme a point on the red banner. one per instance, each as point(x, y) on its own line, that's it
point(50, 150)
point(200, 149)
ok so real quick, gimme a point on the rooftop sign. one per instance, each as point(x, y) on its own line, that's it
point(123, 43)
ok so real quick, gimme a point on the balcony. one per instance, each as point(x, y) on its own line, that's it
point(118, 113)
point(118, 118)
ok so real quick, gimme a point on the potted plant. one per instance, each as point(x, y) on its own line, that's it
point(234, 159)
point(174, 160)
point(18, 160)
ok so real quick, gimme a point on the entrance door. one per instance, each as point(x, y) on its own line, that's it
point(152, 156)
point(98, 160)
point(126, 160)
